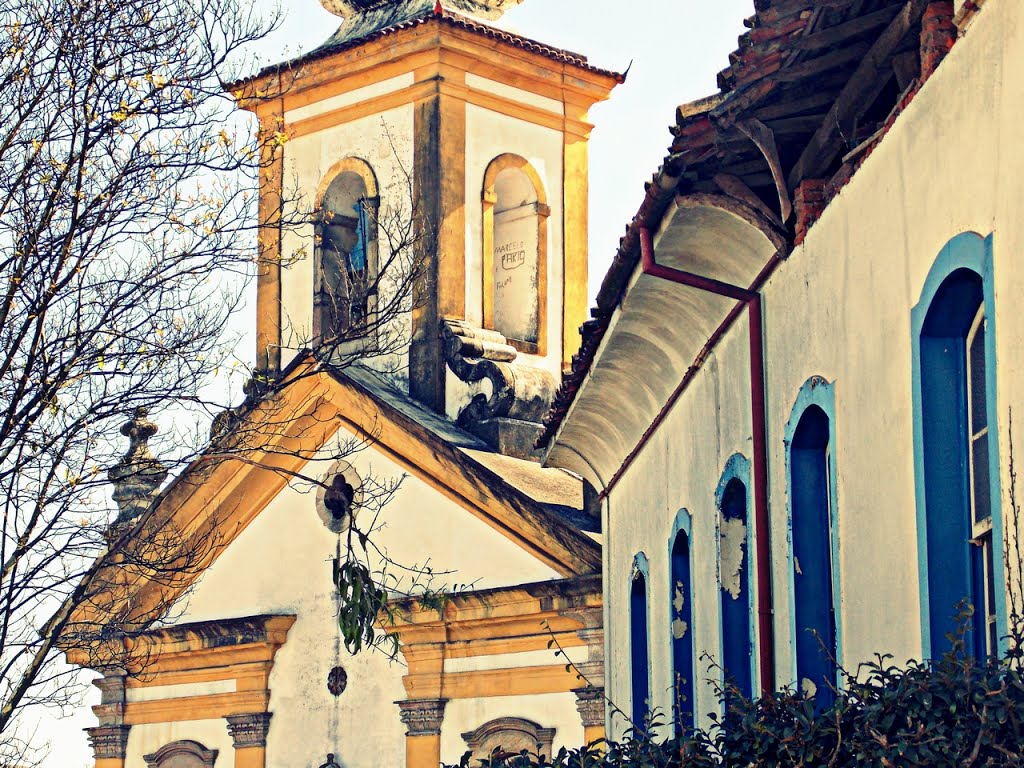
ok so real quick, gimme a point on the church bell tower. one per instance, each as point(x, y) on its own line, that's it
point(486, 132)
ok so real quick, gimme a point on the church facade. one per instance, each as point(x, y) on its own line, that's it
point(421, 124)
point(796, 395)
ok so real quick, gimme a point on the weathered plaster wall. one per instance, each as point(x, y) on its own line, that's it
point(385, 141)
point(840, 308)
point(281, 563)
point(147, 739)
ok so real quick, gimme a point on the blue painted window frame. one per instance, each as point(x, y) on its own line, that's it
point(737, 468)
point(683, 525)
point(816, 391)
point(973, 252)
point(640, 655)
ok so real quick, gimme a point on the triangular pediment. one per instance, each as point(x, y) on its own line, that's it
point(219, 495)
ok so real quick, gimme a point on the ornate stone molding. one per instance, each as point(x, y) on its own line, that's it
point(509, 418)
point(510, 735)
point(181, 752)
point(109, 742)
point(422, 717)
point(139, 474)
point(249, 730)
point(590, 705)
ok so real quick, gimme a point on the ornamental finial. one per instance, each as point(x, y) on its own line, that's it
point(139, 474)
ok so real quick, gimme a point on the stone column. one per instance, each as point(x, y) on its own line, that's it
point(109, 740)
point(249, 737)
point(590, 705)
point(109, 745)
point(422, 718)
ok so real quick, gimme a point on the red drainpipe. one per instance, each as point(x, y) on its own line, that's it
point(752, 300)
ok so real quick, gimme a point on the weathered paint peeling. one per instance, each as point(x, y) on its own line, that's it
point(679, 599)
point(679, 629)
point(732, 549)
point(796, 566)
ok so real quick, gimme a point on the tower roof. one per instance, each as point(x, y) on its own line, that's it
point(351, 9)
point(369, 20)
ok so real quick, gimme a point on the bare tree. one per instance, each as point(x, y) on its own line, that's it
point(128, 224)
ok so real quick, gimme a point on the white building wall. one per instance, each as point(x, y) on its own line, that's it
point(840, 307)
point(281, 564)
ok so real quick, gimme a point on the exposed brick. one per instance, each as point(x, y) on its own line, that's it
point(938, 34)
point(809, 202)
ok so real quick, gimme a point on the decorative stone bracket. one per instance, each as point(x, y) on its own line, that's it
point(508, 419)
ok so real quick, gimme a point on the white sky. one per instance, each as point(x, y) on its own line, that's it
point(676, 46)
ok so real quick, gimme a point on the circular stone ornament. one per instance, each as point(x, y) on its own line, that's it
point(337, 681)
point(339, 497)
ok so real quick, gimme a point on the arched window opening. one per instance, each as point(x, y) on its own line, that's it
point(345, 277)
point(955, 371)
point(515, 253)
point(639, 650)
point(682, 634)
point(734, 594)
point(811, 495)
point(182, 754)
point(508, 735)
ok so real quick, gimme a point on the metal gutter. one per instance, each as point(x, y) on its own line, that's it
point(749, 299)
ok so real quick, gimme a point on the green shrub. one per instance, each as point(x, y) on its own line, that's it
point(953, 712)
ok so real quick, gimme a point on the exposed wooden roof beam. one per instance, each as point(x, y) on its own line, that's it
point(780, 9)
point(832, 36)
point(857, 95)
point(762, 136)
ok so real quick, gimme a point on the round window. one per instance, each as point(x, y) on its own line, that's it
point(339, 497)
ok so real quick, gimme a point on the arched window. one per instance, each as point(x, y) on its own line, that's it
point(182, 754)
point(735, 595)
point(681, 612)
point(508, 735)
point(515, 253)
point(345, 274)
point(639, 651)
point(814, 555)
point(956, 447)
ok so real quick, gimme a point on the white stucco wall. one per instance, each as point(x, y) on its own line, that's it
point(840, 307)
point(385, 142)
point(281, 563)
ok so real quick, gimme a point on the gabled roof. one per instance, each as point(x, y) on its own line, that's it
point(811, 86)
point(218, 495)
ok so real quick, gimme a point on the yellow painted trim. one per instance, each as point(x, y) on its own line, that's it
point(368, 108)
point(423, 751)
point(515, 681)
point(576, 174)
point(250, 757)
point(268, 274)
point(489, 198)
point(209, 707)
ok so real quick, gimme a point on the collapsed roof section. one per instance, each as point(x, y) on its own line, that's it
point(813, 85)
